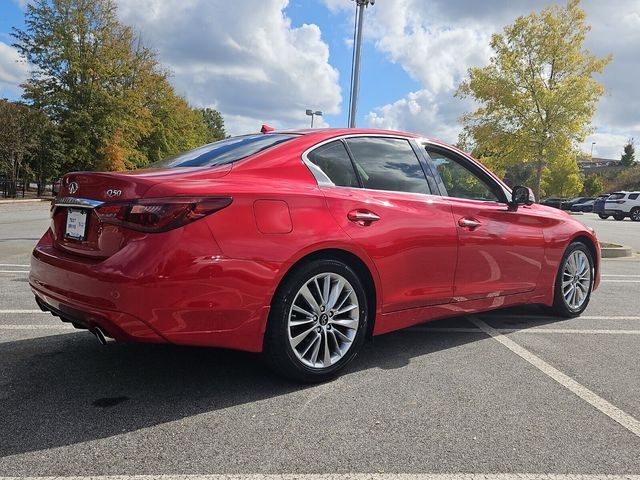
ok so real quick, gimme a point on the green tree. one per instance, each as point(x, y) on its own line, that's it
point(215, 124)
point(21, 131)
point(628, 157)
point(561, 176)
point(592, 185)
point(537, 95)
point(49, 161)
point(102, 87)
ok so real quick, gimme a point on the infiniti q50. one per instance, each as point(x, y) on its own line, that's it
point(301, 244)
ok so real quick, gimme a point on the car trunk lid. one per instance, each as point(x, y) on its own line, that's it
point(75, 224)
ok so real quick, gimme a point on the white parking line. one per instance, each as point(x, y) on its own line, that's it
point(619, 281)
point(348, 476)
point(613, 412)
point(14, 271)
point(530, 330)
point(625, 276)
point(36, 327)
point(15, 312)
point(13, 265)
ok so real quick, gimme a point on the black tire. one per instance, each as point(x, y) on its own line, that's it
point(603, 216)
point(277, 348)
point(618, 216)
point(635, 214)
point(560, 306)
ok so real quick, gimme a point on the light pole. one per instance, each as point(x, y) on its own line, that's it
point(355, 68)
point(592, 145)
point(311, 113)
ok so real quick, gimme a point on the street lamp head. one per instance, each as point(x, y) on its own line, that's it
point(318, 112)
point(310, 112)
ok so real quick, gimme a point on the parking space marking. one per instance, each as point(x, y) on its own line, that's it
point(611, 275)
point(36, 327)
point(347, 476)
point(13, 265)
point(14, 271)
point(16, 312)
point(613, 412)
point(619, 281)
point(579, 331)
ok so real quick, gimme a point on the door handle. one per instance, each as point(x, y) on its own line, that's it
point(362, 217)
point(469, 223)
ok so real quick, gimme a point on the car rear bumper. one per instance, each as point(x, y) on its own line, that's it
point(162, 294)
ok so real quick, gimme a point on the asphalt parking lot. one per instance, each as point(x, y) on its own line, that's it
point(510, 392)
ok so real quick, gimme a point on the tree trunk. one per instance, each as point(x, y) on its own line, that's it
point(538, 185)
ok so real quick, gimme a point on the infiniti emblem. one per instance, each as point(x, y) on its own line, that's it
point(73, 187)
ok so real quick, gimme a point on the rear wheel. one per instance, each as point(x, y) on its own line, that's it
point(574, 281)
point(635, 214)
point(618, 216)
point(603, 216)
point(317, 322)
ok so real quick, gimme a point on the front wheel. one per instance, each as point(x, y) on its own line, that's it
point(574, 281)
point(603, 216)
point(317, 322)
point(635, 214)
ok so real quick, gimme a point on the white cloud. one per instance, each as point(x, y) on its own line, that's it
point(245, 60)
point(338, 5)
point(13, 71)
point(608, 145)
point(435, 54)
point(436, 42)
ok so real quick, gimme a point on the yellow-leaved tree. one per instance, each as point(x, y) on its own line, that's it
point(536, 98)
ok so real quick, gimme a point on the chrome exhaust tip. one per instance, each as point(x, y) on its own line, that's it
point(101, 336)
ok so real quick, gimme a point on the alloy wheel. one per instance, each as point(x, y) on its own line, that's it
point(323, 320)
point(576, 279)
point(635, 215)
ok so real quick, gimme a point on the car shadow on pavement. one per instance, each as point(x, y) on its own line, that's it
point(66, 389)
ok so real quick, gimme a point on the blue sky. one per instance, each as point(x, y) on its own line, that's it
point(266, 61)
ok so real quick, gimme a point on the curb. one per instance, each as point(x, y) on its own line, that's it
point(611, 250)
point(24, 200)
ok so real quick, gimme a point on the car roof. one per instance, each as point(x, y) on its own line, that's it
point(337, 132)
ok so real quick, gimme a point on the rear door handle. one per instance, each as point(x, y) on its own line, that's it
point(362, 217)
point(469, 223)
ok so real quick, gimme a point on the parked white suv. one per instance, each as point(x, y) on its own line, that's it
point(623, 204)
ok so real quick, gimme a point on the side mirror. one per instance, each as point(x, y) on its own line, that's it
point(521, 196)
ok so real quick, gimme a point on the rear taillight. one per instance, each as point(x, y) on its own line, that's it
point(153, 215)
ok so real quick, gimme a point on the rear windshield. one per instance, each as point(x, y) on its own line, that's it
point(225, 151)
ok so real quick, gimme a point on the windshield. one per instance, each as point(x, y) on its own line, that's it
point(225, 151)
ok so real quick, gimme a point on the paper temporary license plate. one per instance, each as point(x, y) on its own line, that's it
point(76, 224)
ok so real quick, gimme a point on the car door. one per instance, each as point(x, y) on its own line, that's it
point(377, 190)
point(500, 249)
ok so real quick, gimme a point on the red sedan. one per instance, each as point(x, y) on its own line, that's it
point(300, 244)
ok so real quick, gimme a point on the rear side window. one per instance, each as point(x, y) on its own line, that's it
point(388, 164)
point(332, 161)
point(225, 151)
point(634, 196)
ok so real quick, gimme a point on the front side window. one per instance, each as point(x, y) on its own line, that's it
point(332, 160)
point(617, 196)
point(388, 164)
point(459, 181)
